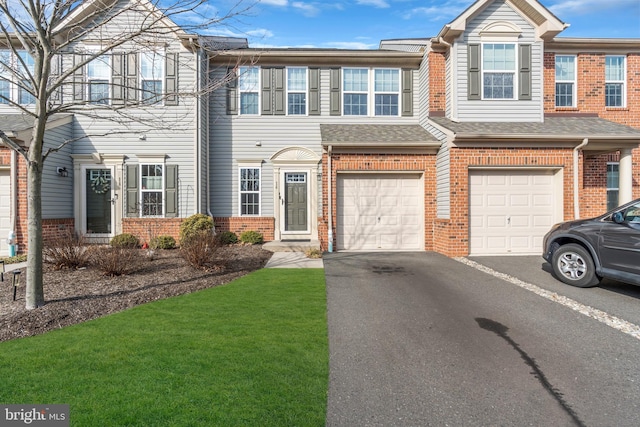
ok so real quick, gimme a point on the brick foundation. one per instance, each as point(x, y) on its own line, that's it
point(264, 225)
point(146, 229)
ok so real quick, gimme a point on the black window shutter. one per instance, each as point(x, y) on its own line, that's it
point(524, 77)
point(474, 74)
point(314, 91)
point(132, 191)
point(334, 92)
point(171, 79)
point(232, 92)
point(407, 93)
point(171, 191)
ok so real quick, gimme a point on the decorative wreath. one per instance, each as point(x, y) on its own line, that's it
point(100, 185)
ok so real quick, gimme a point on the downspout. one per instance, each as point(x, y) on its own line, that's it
point(198, 138)
point(207, 132)
point(14, 194)
point(330, 200)
point(576, 178)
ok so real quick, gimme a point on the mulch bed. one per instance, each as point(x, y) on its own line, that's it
point(75, 296)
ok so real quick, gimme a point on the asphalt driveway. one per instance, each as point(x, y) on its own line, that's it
point(420, 339)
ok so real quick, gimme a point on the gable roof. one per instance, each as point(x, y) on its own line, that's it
point(546, 23)
point(18, 126)
point(377, 136)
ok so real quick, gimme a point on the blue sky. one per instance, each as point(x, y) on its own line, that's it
point(361, 24)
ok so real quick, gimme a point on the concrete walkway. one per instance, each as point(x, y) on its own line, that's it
point(293, 260)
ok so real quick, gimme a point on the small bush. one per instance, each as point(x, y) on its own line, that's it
point(199, 249)
point(252, 237)
point(116, 260)
point(163, 242)
point(66, 251)
point(228, 238)
point(125, 240)
point(15, 259)
point(313, 253)
point(194, 224)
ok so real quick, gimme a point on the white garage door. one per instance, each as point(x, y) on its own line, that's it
point(510, 211)
point(5, 204)
point(380, 212)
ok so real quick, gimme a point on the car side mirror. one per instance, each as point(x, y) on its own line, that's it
point(618, 218)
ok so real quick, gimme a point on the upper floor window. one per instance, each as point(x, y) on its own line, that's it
point(356, 93)
point(297, 91)
point(565, 80)
point(249, 86)
point(5, 76)
point(26, 66)
point(249, 191)
point(152, 189)
point(151, 76)
point(615, 81)
point(99, 75)
point(498, 70)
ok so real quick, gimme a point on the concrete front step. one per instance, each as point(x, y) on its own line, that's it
point(291, 246)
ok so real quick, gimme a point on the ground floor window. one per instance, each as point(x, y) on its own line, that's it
point(249, 191)
point(152, 189)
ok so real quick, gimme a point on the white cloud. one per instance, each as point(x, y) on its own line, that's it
point(582, 7)
point(375, 3)
point(307, 9)
point(435, 13)
point(274, 2)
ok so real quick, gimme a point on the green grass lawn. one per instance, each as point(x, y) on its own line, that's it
point(254, 352)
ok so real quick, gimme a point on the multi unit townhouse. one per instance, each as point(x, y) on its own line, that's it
point(471, 141)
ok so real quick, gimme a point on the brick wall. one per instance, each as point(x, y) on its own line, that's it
point(146, 229)
point(437, 82)
point(264, 225)
point(372, 163)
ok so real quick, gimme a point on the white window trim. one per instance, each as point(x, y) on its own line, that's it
point(515, 71)
point(257, 89)
point(155, 190)
point(17, 65)
point(306, 91)
point(109, 83)
point(574, 82)
point(371, 91)
point(612, 188)
point(161, 78)
point(241, 166)
point(623, 81)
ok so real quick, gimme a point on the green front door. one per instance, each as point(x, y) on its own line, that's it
point(296, 201)
point(98, 202)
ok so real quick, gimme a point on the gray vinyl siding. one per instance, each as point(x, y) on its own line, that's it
point(57, 191)
point(423, 92)
point(449, 82)
point(234, 137)
point(498, 110)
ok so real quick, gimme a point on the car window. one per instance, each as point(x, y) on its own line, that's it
point(632, 214)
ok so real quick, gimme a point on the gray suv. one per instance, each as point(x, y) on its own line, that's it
point(583, 252)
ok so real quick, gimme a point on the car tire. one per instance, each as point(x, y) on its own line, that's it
point(573, 265)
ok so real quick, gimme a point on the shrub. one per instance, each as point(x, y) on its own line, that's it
point(252, 237)
point(313, 253)
point(199, 249)
point(194, 224)
point(125, 240)
point(228, 237)
point(116, 260)
point(66, 251)
point(163, 242)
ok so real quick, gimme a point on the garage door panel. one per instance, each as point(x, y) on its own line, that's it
point(385, 212)
point(510, 210)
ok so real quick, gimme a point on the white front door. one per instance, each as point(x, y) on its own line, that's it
point(511, 210)
point(98, 207)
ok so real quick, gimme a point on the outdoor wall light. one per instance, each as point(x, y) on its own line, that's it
point(142, 137)
point(62, 171)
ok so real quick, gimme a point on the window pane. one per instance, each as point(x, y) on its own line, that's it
point(387, 80)
point(152, 203)
point(99, 92)
point(614, 68)
point(355, 104)
point(565, 68)
point(564, 94)
point(498, 86)
point(249, 103)
point(356, 80)
point(612, 199)
point(151, 91)
point(613, 95)
point(5, 92)
point(297, 79)
point(250, 203)
point(386, 105)
point(613, 176)
point(24, 97)
point(248, 79)
point(99, 68)
point(27, 61)
point(297, 103)
point(499, 56)
point(151, 66)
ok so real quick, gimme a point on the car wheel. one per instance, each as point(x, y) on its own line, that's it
point(573, 265)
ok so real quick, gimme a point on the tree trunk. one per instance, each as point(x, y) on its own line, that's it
point(34, 289)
